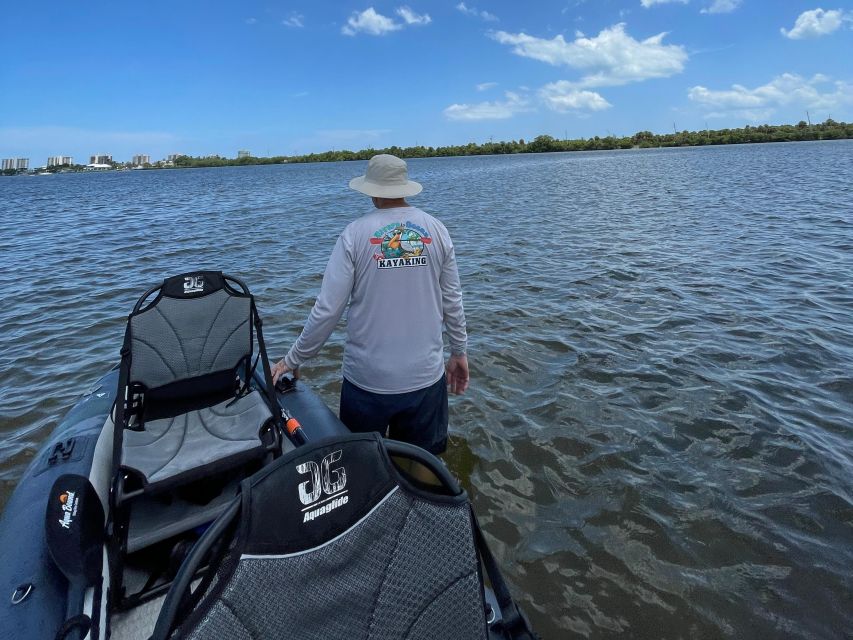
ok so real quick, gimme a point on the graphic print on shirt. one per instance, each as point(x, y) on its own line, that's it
point(400, 244)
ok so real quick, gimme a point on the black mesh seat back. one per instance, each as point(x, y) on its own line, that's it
point(333, 543)
point(197, 329)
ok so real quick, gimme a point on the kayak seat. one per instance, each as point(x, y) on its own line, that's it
point(190, 409)
point(171, 447)
point(332, 541)
point(186, 375)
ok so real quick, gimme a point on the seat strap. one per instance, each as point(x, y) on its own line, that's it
point(81, 623)
point(122, 397)
point(119, 418)
point(269, 389)
point(515, 623)
point(180, 591)
point(244, 389)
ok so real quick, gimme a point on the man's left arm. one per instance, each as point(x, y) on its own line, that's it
point(454, 323)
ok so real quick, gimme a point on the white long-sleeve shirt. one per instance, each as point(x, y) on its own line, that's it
point(397, 270)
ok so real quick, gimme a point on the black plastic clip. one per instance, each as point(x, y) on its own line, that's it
point(285, 384)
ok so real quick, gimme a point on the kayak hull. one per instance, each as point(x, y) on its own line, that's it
point(33, 592)
point(36, 599)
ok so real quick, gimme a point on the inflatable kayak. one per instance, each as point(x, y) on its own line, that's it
point(183, 470)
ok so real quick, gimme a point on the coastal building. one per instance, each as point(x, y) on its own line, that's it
point(8, 163)
point(173, 156)
point(22, 163)
point(94, 166)
point(56, 161)
point(140, 160)
point(101, 159)
point(243, 153)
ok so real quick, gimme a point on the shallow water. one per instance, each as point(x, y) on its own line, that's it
point(658, 436)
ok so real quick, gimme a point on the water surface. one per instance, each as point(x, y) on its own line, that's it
point(658, 435)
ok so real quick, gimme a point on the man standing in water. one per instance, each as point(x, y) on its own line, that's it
point(396, 268)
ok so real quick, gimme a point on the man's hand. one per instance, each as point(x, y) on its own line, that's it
point(457, 374)
point(280, 368)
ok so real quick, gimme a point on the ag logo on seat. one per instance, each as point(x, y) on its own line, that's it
point(193, 284)
point(323, 480)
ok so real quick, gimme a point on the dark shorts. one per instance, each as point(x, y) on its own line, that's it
point(418, 417)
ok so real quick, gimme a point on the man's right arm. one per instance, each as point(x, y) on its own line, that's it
point(331, 302)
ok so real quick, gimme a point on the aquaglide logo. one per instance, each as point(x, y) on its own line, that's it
point(68, 500)
point(323, 481)
point(193, 284)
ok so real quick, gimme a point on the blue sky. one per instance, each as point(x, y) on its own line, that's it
point(292, 77)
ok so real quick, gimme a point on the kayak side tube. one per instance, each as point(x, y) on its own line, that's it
point(33, 592)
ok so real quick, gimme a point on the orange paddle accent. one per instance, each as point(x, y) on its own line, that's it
point(292, 425)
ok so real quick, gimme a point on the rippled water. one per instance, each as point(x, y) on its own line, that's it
point(658, 434)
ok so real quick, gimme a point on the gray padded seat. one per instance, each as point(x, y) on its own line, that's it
point(408, 571)
point(334, 544)
point(193, 416)
point(178, 339)
point(180, 346)
point(169, 447)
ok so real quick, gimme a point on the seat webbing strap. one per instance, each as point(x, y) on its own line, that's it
point(514, 621)
point(269, 388)
point(81, 623)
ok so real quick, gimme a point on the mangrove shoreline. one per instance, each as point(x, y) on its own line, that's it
point(800, 132)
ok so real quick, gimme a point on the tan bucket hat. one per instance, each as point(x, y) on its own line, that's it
point(387, 177)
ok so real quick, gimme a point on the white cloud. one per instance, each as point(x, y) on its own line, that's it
point(722, 6)
point(497, 110)
point(375, 24)
point(611, 58)
point(565, 96)
point(251, 20)
point(562, 96)
point(716, 6)
point(651, 3)
point(410, 17)
point(816, 23)
point(370, 22)
point(738, 96)
point(817, 92)
point(485, 86)
point(472, 11)
point(296, 20)
point(750, 115)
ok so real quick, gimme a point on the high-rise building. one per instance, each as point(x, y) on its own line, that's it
point(140, 160)
point(243, 153)
point(173, 156)
point(16, 163)
point(101, 159)
point(56, 161)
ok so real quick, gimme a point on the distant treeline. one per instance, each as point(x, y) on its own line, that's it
point(828, 130)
